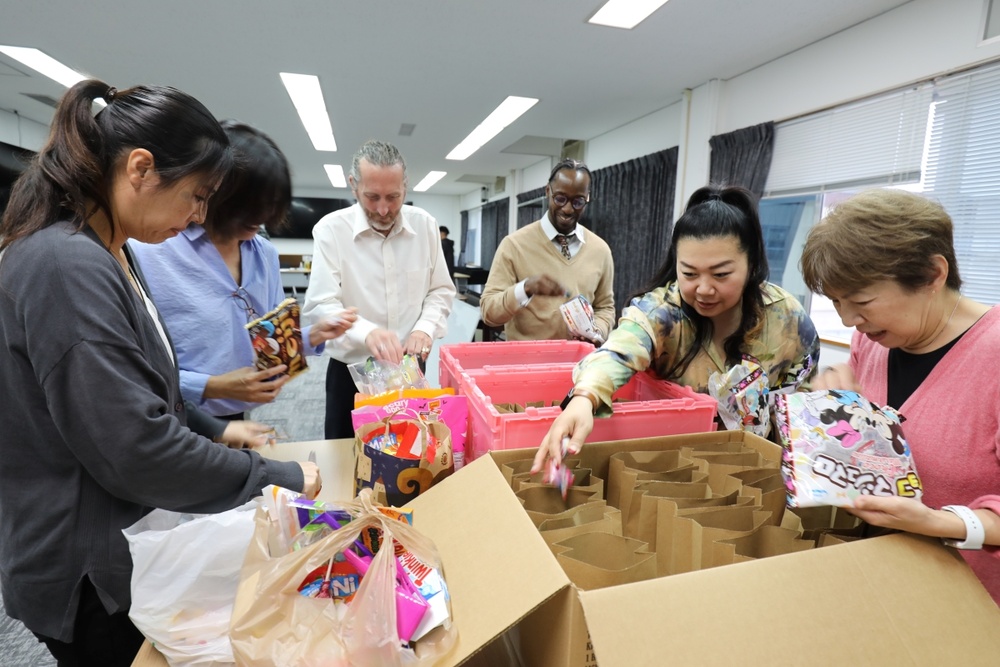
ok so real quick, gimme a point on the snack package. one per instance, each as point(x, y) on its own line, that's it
point(277, 338)
point(579, 317)
point(838, 446)
point(742, 394)
point(374, 377)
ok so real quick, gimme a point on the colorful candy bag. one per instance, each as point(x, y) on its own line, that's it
point(277, 338)
point(742, 394)
point(838, 446)
point(579, 317)
point(374, 377)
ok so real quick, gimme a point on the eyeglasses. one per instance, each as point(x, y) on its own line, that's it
point(578, 202)
point(243, 299)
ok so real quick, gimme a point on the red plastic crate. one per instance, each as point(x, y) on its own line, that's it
point(460, 357)
point(650, 407)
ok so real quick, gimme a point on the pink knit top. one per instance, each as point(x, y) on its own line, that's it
point(952, 425)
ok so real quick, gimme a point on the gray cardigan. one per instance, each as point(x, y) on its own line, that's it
point(92, 430)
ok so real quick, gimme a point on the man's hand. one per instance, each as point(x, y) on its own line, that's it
point(543, 285)
point(240, 434)
point(248, 384)
point(418, 344)
point(384, 345)
point(332, 327)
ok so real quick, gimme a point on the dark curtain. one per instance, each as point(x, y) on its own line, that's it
point(496, 217)
point(743, 157)
point(528, 213)
point(632, 208)
point(461, 261)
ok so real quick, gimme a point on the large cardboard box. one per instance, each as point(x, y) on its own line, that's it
point(884, 600)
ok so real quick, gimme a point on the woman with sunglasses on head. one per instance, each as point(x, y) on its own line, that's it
point(539, 267)
point(93, 422)
point(707, 306)
point(212, 279)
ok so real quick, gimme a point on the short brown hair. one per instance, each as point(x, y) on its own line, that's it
point(879, 235)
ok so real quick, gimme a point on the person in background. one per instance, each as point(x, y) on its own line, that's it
point(383, 258)
point(94, 424)
point(886, 259)
point(210, 280)
point(448, 248)
point(540, 267)
point(707, 306)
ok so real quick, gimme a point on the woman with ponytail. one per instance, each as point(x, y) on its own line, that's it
point(707, 307)
point(94, 425)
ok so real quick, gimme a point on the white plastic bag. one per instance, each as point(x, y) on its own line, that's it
point(185, 571)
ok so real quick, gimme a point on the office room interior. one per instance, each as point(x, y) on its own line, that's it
point(424, 75)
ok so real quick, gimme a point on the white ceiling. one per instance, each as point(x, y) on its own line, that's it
point(442, 65)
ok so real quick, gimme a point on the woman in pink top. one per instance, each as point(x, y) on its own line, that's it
point(887, 260)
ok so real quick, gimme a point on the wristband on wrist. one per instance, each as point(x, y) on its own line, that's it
point(589, 395)
point(975, 533)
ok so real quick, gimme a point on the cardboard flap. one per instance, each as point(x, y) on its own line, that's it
point(493, 556)
point(886, 600)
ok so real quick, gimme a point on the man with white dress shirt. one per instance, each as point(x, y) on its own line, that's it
point(539, 267)
point(384, 259)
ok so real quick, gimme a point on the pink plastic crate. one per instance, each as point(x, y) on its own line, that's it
point(652, 408)
point(460, 357)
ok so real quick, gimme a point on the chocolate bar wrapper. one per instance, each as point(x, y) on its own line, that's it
point(277, 338)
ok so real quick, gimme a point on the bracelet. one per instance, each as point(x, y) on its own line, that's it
point(589, 395)
point(975, 534)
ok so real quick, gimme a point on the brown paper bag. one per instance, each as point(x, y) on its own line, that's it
point(523, 466)
point(765, 485)
point(582, 479)
point(589, 518)
point(546, 502)
point(598, 560)
point(684, 536)
point(764, 542)
point(646, 510)
point(637, 463)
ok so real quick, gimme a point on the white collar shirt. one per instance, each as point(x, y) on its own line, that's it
point(398, 282)
point(575, 242)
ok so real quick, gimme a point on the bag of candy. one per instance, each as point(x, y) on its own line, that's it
point(838, 446)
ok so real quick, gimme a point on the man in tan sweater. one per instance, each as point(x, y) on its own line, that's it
point(538, 268)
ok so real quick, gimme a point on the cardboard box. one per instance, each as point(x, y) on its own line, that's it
point(886, 600)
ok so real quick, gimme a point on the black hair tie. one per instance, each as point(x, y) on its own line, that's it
point(110, 95)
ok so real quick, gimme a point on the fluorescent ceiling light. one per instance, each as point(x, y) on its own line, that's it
point(307, 96)
point(427, 181)
point(336, 175)
point(46, 65)
point(625, 13)
point(505, 114)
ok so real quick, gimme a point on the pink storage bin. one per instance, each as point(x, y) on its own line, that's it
point(653, 407)
point(460, 357)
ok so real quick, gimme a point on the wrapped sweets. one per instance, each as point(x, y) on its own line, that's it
point(838, 446)
point(742, 394)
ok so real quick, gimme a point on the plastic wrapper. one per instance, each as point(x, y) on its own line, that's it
point(742, 394)
point(277, 339)
point(374, 377)
point(274, 625)
point(838, 446)
point(579, 317)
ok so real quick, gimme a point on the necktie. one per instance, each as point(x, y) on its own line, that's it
point(564, 244)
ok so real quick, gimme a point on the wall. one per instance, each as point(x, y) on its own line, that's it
point(649, 134)
point(18, 131)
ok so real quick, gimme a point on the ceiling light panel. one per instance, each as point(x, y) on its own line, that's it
point(307, 96)
point(509, 110)
point(336, 175)
point(46, 65)
point(625, 13)
point(427, 181)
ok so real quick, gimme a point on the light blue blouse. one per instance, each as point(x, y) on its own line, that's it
point(205, 309)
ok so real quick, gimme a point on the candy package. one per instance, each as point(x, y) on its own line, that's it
point(277, 338)
point(579, 317)
point(374, 377)
point(742, 395)
point(838, 446)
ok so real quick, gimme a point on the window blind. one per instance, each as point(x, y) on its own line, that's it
point(872, 142)
point(962, 172)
